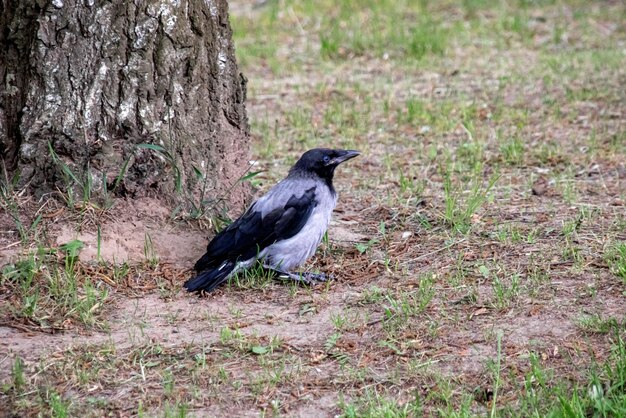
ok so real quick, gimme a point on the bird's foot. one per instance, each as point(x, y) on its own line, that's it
point(313, 278)
point(307, 278)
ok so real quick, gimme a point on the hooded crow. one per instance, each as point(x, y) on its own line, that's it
point(282, 229)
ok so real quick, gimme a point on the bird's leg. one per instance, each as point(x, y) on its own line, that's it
point(305, 277)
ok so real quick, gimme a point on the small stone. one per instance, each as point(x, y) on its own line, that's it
point(540, 186)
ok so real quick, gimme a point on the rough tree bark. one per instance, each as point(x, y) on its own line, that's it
point(92, 79)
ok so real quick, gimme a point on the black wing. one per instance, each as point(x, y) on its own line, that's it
point(251, 233)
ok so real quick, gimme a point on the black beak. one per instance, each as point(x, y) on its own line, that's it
point(344, 155)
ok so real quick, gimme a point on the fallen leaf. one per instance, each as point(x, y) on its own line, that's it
point(477, 312)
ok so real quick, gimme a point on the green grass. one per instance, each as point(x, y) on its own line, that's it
point(600, 394)
point(345, 36)
point(459, 210)
point(373, 404)
point(352, 29)
point(9, 202)
point(17, 374)
point(596, 324)
point(512, 150)
point(615, 257)
point(47, 290)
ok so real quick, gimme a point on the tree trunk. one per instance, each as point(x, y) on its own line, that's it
point(87, 84)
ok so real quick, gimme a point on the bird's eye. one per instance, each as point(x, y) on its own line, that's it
point(326, 158)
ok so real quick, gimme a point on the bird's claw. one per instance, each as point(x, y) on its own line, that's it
point(317, 277)
point(307, 278)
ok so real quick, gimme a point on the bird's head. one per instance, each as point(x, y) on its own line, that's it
point(322, 161)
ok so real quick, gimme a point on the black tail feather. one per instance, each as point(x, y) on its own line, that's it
point(208, 280)
point(205, 262)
